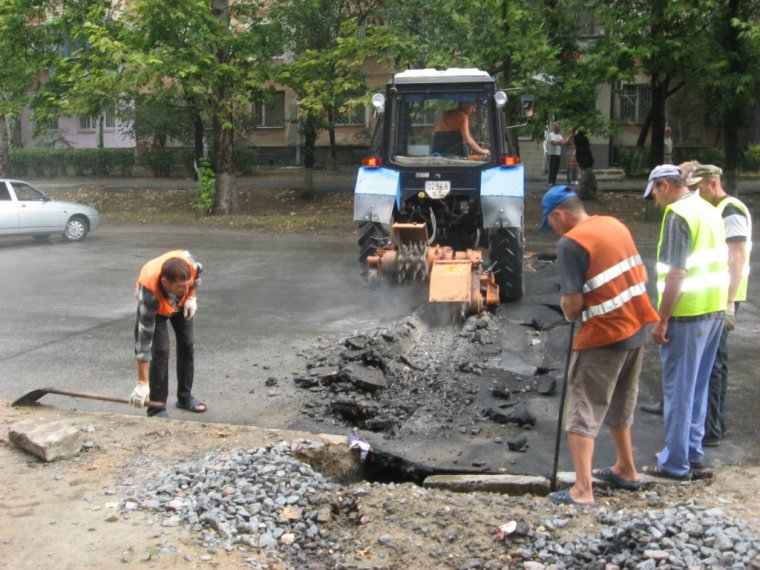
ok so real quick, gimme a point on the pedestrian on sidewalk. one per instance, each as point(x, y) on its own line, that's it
point(554, 143)
point(692, 286)
point(585, 159)
point(603, 285)
point(705, 179)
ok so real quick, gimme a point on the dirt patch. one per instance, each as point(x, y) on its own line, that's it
point(279, 210)
point(63, 514)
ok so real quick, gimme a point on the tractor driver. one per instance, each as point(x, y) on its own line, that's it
point(453, 129)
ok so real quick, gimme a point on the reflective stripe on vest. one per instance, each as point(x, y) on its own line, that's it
point(705, 287)
point(741, 292)
point(614, 303)
point(615, 300)
point(609, 274)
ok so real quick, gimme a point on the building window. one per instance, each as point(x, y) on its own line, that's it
point(632, 103)
point(353, 117)
point(271, 113)
point(90, 122)
point(46, 125)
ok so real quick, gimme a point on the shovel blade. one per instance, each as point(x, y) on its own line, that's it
point(30, 398)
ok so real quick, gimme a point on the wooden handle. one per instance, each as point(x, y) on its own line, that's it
point(148, 403)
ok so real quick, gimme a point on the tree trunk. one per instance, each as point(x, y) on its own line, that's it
point(735, 113)
point(199, 151)
point(226, 200)
point(659, 88)
point(99, 131)
point(5, 158)
point(309, 146)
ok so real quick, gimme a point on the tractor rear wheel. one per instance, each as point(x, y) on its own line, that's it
point(506, 253)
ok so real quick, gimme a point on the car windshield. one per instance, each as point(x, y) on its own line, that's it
point(428, 128)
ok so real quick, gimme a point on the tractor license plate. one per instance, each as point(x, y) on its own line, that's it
point(437, 189)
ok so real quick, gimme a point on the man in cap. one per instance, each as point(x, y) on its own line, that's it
point(737, 222)
point(692, 287)
point(603, 285)
point(657, 406)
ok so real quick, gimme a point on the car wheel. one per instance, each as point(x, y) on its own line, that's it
point(76, 229)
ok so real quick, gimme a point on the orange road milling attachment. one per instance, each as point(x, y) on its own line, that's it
point(455, 276)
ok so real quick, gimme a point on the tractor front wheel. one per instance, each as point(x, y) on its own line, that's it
point(372, 235)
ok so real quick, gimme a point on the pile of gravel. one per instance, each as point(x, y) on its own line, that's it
point(261, 498)
point(687, 535)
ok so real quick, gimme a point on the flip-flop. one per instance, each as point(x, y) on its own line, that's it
point(562, 497)
point(606, 474)
point(192, 405)
point(159, 414)
point(656, 470)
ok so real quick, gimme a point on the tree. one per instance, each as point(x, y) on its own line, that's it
point(327, 45)
point(25, 54)
point(218, 57)
point(85, 78)
point(732, 83)
point(213, 57)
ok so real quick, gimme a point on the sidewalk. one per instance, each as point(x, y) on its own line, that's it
point(324, 181)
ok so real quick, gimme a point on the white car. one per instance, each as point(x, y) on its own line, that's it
point(24, 210)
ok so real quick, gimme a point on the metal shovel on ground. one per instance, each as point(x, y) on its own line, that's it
point(31, 398)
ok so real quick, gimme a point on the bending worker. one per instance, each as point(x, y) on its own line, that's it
point(166, 291)
point(456, 124)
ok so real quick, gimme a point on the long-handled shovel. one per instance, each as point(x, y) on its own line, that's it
point(553, 482)
point(31, 398)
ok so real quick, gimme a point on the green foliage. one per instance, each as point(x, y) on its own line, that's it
point(245, 159)
point(707, 155)
point(50, 162)
point(634, 161)
point(751, 158)
point(159, 161)
point(187, 159)
point(206, 188)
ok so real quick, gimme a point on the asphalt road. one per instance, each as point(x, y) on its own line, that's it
point(68, 317)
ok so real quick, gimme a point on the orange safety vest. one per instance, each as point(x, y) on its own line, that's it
point(615, 300)
point(150, 278)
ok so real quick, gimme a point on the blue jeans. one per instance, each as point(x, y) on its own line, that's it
point(686, 366)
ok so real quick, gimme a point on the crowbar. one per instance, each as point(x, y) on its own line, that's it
point(553, 481)
point(31, 398)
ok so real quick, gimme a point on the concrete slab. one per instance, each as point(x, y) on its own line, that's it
point(520, 484)
point(47, 439)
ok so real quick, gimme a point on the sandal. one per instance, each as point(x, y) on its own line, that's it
point(656, 470)
point(606, 474)
point(192, 405)
point(563, 497)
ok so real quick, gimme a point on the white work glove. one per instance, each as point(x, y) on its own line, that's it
point(730, 320)
point(191, 306)
point(139, 394)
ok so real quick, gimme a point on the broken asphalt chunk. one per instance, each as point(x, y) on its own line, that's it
point(364, 377)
